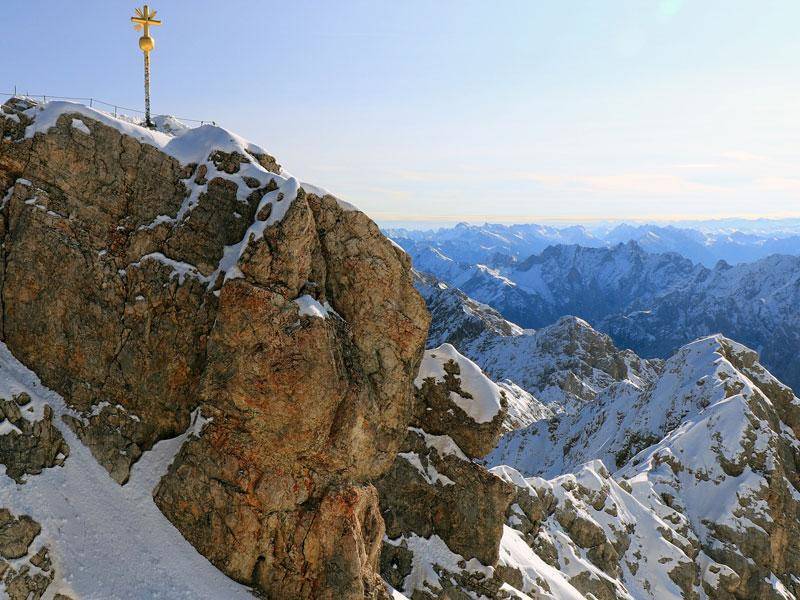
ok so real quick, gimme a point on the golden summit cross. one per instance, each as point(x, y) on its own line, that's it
point(143, 19)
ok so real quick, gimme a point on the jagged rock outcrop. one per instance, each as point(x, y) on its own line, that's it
point(29, 442)
point(300, 404)
point(458, 400)
point(146, 275)
point(435, 493)
point(584, 535)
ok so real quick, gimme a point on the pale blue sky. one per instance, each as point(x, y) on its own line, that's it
point(459, 110)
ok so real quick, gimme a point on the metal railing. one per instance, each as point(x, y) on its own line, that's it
point(95, 103)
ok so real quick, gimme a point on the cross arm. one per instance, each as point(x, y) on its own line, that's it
point(145, 21)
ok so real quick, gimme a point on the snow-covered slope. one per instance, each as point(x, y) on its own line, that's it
point(708, 451)
point(106, 541)
point(564, 365)
point(685, 487)
point(643, 480)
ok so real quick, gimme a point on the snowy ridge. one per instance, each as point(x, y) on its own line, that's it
point(592, 506)
point(702, 456)
point(651, 303)
point(187, 145)
point(734, 241)
point(643, 479)
point(554, 369)
point(704, 509)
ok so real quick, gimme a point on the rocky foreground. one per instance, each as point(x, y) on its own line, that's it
point(213, 384)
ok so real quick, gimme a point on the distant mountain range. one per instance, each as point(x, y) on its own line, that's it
point(652, 303)
point(706, 243)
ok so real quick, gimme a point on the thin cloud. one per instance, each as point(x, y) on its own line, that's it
point(778, 184)
point(640, 184)
point(745, 156)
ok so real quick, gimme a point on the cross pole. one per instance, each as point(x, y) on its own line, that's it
point(142, 21)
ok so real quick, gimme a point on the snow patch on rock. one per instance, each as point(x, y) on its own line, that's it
point(485, 402)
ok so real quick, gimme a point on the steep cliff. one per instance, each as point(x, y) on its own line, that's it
point(148, 275)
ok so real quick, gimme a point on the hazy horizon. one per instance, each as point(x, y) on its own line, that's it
point(738, 223)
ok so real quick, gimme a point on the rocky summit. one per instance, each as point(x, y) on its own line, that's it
point(154, 281)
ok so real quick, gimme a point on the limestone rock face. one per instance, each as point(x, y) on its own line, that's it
point(298, 403)
point(147, 276)
point(80, 308)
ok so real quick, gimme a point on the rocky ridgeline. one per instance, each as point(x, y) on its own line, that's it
point(146, 275)
point(709, 510)
point(668, 480)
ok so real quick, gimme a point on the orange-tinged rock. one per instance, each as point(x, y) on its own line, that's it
point(114, 293)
